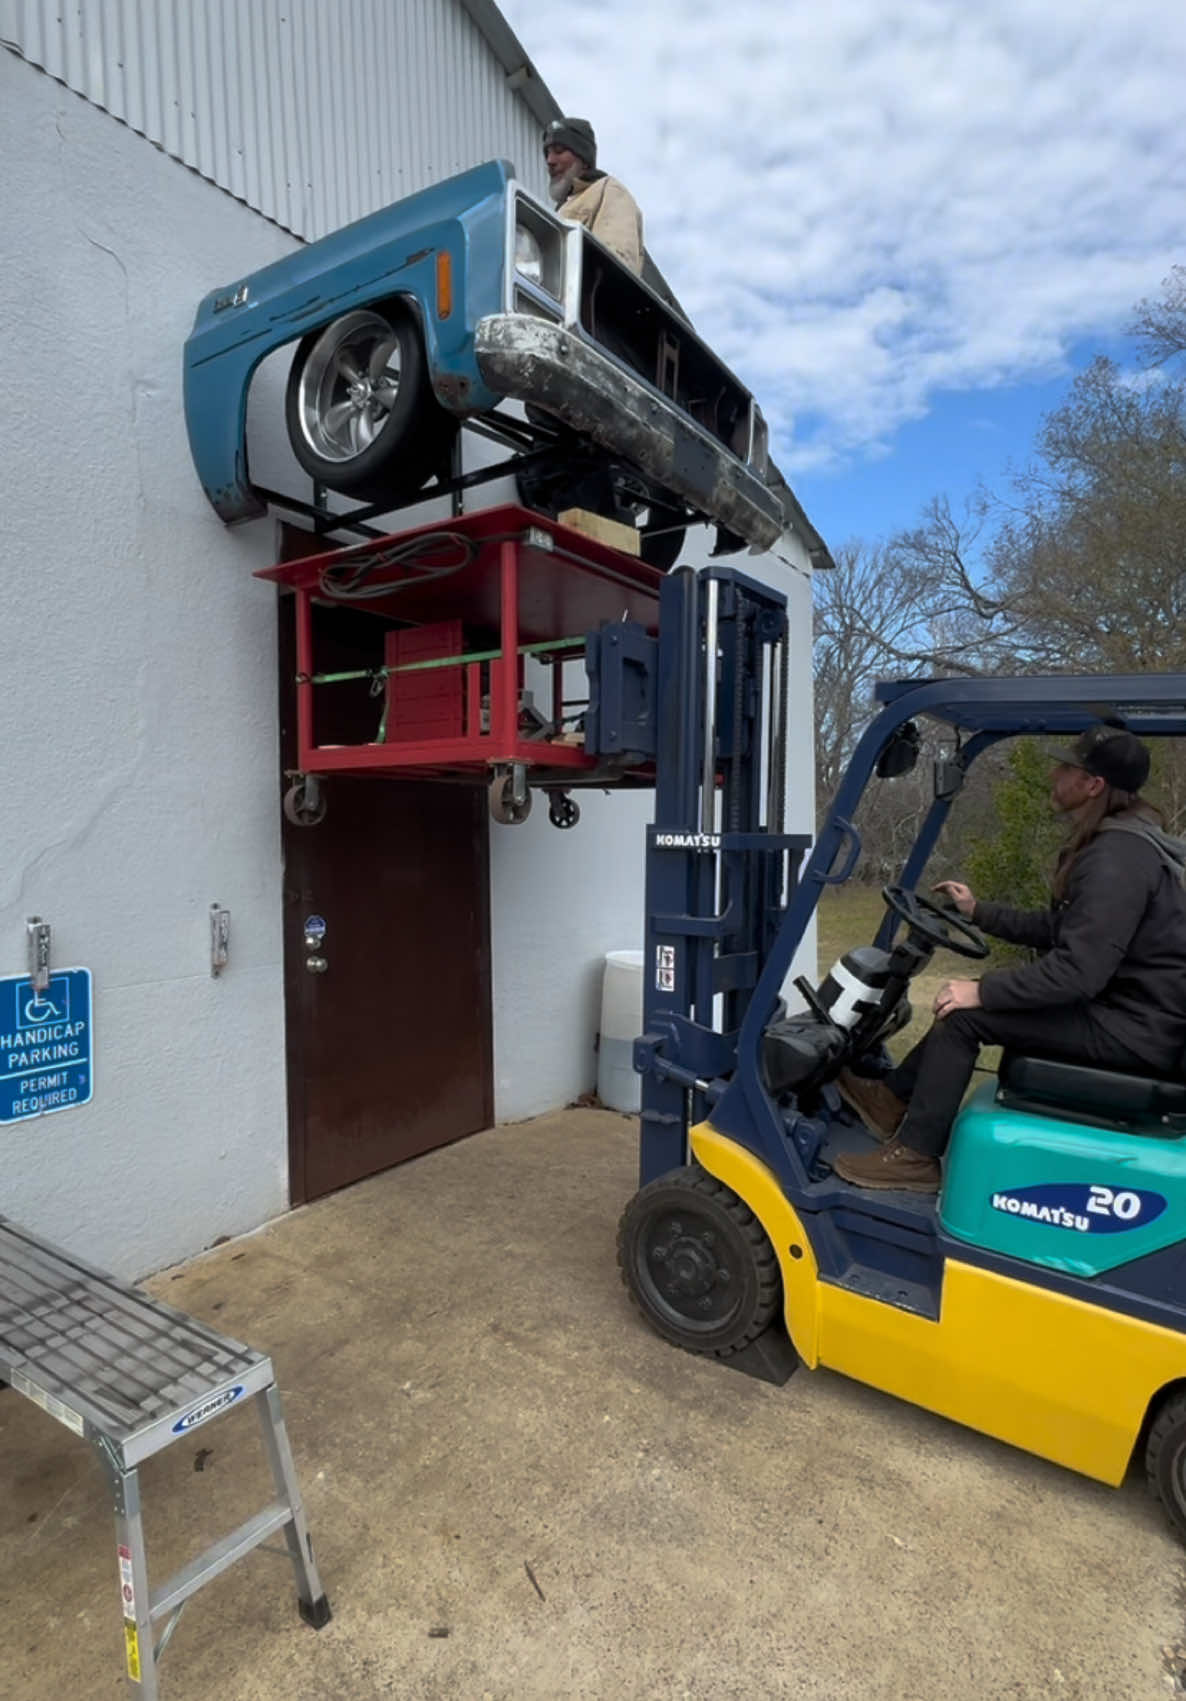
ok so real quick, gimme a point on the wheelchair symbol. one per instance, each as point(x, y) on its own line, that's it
point(36, 1007)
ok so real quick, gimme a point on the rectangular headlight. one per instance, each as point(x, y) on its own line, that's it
point(539, 251)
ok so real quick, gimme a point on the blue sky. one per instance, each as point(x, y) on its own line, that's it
point(905, 223)
point(965, 437)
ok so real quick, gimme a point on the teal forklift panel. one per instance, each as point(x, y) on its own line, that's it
point(1067, 1195)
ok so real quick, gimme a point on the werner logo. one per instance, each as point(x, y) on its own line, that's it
point(688, 841)
point(208, 1409)
point(1086, 1210)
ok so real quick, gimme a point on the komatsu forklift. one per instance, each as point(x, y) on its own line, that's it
point(1041, 1296)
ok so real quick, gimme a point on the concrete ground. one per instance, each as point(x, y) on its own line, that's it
point(516, 1490)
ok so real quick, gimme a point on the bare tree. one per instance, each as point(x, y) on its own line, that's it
point(893, 611)
point(1161, 325)
point(1092, 559)
point(1080, 568)
point(917, 605)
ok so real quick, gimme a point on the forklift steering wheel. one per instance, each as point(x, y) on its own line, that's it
point(941, 927)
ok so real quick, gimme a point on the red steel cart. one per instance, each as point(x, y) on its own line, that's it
point(470, 608)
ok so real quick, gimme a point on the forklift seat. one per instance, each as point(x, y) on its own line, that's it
point(1081, 1093)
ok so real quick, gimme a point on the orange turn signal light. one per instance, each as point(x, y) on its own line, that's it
point(444, 284)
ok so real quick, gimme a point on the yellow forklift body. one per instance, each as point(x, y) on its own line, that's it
point(1067, 1380)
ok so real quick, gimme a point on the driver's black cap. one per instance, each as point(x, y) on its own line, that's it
point(1111, 753)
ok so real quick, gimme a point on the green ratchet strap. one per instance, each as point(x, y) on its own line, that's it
point(544, 647)
point(377, 675)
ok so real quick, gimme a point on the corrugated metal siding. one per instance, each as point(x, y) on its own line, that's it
point(313, 112)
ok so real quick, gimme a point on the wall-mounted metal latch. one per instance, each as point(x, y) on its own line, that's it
point(40, 940)
point(220, 939)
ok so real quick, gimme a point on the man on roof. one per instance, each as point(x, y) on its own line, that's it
point(579, 191)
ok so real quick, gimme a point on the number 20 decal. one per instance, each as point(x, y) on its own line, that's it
point(1105, 1203)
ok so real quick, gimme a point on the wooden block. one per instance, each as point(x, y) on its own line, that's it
point(611, 532)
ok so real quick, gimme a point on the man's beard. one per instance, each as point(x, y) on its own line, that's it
point(559, 187)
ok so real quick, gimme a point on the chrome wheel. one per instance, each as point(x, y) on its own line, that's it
point(360, 409)
point(348, 386)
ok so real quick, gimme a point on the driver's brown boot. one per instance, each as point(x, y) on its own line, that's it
point(891, 1166)
point(878, 1108)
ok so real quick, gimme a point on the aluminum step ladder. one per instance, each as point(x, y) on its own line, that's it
point(132, 1375)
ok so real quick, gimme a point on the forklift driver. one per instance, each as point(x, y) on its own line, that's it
point(1109, 989)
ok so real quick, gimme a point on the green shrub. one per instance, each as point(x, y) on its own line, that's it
point(1013, 863)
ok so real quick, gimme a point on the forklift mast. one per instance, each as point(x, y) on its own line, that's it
point(707, 701)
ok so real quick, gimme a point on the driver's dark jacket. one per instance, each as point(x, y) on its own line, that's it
point(1116, 941)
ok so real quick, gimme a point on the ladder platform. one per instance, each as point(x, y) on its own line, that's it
point(105, 1359)
point(132, 1375)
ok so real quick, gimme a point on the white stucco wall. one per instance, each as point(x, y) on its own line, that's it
point(138, 663)
point(561, 900)
point(139, 667)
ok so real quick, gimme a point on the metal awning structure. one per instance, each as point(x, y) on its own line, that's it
point(1153, 705)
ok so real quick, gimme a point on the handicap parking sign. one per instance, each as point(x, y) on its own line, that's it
point(45, 1045)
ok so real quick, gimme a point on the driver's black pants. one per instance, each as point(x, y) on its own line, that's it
point(933, 1078)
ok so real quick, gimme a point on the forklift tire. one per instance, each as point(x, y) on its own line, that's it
point(697, 1263)
point(1165, 1461)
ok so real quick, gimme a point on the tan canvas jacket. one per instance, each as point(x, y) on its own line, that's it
point(609, 210)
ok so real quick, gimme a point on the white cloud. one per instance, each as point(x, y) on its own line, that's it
point(862, 203)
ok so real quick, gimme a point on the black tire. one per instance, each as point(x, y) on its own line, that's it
point(697, 1263)
point(563, 811)
point(1165, 1461)
point(410, 434)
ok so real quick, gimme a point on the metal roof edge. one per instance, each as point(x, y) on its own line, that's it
point(521, 73)
point(818, 552)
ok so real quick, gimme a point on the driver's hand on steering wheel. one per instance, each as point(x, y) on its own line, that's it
point(957, 994)
point(959, 894)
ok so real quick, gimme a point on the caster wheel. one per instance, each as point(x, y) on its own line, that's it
point(563, 812)
point(503, 807)
point(305, 802)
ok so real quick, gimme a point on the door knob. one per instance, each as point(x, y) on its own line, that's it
point(316, 965)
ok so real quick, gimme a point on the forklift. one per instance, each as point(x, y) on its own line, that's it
point(1040, 1297)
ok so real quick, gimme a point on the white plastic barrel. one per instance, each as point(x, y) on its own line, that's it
point(621, 1022)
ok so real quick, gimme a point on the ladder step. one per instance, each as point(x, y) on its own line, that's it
point(218, 1558)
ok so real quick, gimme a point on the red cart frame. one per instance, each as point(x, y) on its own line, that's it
point(539, 585)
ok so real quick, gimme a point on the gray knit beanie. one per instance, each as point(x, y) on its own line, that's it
point(576, 134)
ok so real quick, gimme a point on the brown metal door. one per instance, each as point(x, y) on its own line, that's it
point(389, 1049)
